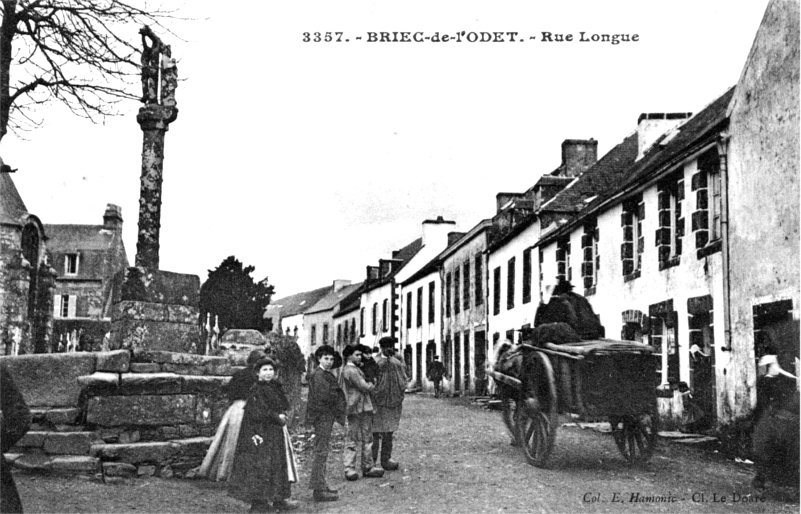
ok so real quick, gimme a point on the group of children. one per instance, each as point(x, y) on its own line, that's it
point(252, 449)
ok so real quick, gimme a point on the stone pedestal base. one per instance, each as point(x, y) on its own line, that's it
point(156, 310)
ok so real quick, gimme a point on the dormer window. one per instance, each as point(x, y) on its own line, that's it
point(71, 264)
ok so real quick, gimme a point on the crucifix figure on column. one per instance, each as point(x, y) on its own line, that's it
point(159, 81)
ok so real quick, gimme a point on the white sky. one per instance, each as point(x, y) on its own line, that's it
point(311, 161)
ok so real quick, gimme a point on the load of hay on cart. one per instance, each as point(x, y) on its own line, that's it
point(615, 380)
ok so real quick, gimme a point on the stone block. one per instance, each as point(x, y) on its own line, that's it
point(146, 471)
point(156, 335)
point(11, 457)
point(185, 369)
point(188, 431)
point(50, 379)
point(32, 440)
point(70, 443)
point(204, 384)
point(62, 416)
point(109, 411)
point(149, 383)
point(133, 310)
point(101, 383)
point(130, 436)
point(119, 469)
point(75, 464)
point(243, 337)
point(156, 286)
point(117, 361)
point(34, 461)
point(182, 313)
point(169, 433)
point(166, 472)
point(170, 357)
point(138, 453)
point(109, 435)
point(145, 367)
point(67, 428)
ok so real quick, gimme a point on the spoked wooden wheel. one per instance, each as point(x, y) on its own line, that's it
point(509, 412)
point(537, 413)
point(635, 435)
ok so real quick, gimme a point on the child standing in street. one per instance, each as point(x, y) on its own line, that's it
point(326, 405)
point(360, 417)
point(263, 463)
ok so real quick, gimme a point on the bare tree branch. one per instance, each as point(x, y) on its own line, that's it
point(82, 53)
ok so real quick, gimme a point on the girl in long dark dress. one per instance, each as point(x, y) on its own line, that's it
point(260, 474)
point(219, 459)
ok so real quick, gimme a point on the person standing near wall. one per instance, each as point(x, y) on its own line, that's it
point(264, 461)
point(326, 404)
point(360, 417)
point(436, 372)
point(15, 420)
point(219, 458)
point(388, 396)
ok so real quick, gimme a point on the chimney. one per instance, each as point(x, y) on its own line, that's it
point(577, 156)
point(454, 236)
point(435, 232)
point(112, 218)
point(339, 284)
point(651, 126)
point(502, 199)
point(372, 273)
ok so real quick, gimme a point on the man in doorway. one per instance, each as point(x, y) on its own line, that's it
point(435, 373)
point(388, 398)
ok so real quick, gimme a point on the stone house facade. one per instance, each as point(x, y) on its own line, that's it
point(86, 258)
point(26, 278)
point(463, 274)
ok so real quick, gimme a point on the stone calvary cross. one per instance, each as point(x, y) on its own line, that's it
point(159, 81)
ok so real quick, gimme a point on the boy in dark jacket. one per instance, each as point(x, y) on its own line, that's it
point(326, 404)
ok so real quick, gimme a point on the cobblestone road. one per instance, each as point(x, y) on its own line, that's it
point(456, 457)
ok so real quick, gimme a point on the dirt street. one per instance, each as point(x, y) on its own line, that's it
point(456, 457)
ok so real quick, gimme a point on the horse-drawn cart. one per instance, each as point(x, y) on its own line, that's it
point(600, 378)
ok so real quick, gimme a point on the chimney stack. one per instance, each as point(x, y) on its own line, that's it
point(339, 284)
point(651, 126)
point(578, 155)
point(435, 232)
point(112, 218)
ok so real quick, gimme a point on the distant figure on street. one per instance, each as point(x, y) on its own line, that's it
point(775, 437)
point(326, 404)
point(388, 397)
point(264, 463)
point(435, 373)
point(360, 417)
point(219, 458)
point(15, 419)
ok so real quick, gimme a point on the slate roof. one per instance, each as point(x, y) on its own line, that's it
point(695, 133)
point(332, 299)
point(297, 303)
point(12, 208)
point(65, 238)
point(405, 254)
point(603, 176)
point(351, 302)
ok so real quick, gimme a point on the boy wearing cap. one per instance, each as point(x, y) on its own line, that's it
point(388, 397)
point(326, 404)
point(360, 417)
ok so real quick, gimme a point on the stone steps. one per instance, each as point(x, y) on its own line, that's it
point(156, 458)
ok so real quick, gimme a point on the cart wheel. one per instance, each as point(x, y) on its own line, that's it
point(635, 436)
point(509, 411)
point(537, 414)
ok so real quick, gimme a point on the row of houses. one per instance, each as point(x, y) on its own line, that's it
point(684, 236)
point(56, 281)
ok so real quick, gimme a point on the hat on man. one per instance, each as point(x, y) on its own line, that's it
point(325, 349)
point(387, 342)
